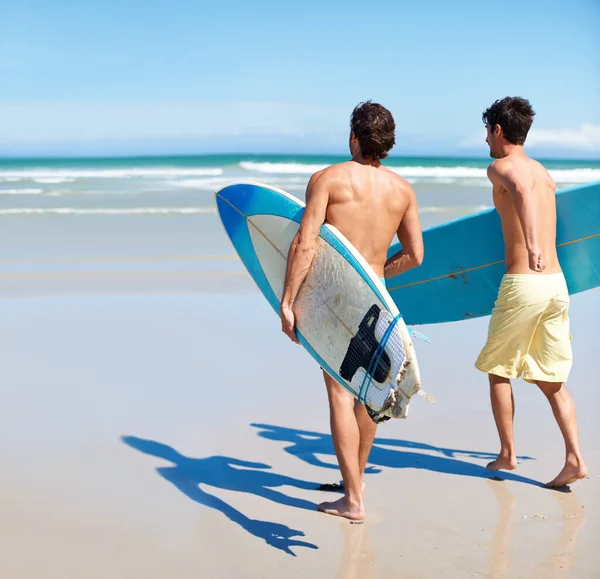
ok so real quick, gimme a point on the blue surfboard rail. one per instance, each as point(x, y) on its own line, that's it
point(464, 260)
point(238, 201)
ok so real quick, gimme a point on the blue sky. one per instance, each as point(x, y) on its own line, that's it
point(133, 77)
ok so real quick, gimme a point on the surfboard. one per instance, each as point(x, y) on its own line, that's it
point(345, 318)
point(464, 260)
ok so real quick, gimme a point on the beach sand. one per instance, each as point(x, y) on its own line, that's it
point(155, 423)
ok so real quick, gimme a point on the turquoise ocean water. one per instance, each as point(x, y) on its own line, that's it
point(125, 214)
point(184, 185)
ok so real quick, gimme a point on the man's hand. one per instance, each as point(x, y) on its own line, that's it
point(288, 322)
point(536, 261)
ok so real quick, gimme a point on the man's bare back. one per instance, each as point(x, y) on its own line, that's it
point(368, 205)
point(509, 175)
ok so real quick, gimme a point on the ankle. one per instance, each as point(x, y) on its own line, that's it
point(354, 500)
point(508, 453)
point(574, 458)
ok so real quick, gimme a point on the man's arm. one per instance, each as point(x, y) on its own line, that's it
point(410, 236)
point(302, 249)
point(507, 176)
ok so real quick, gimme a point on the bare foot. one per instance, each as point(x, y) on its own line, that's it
point(503, 462)
point(573, 471)
point(343, 508)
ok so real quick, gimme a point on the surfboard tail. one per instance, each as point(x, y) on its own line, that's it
point(397, 403)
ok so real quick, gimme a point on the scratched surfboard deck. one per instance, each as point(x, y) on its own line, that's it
point(345, 318)
point(464, 260)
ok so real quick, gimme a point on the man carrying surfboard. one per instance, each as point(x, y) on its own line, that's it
point(528, 334)
point(368, 204)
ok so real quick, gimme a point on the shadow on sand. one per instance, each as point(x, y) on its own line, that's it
point(389, 452)
point(192, 475)
point(188, 474)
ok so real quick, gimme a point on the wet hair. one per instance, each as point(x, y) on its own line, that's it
point(374, 127)
point(514, 115)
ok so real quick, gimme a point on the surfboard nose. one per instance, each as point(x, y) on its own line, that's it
point(238, 195)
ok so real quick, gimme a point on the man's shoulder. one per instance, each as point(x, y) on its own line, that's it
point(519, 170)
point(398, 179)
point(330, 172)
point(348, 172)
point(511, 163)
point(396, 184)
point(499, 165)
point(506, 167)
point(333, 176)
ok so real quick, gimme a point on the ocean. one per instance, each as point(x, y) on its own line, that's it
point(185, 185)
point(160, 211)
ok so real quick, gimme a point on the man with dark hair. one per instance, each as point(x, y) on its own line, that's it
point(368, 204)
point(528, 334)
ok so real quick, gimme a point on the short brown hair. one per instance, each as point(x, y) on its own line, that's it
point(514, 115)
point(374, 127)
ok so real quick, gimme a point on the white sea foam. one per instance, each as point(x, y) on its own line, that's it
point(453, 209)
point(575, 175)
point(281, 168)
point(204, 184)
point(124, 173)
point(54, 180)
point(212, 184)
point(21, 191)
point(102, 211)
point(408, 171)
point(441, 175)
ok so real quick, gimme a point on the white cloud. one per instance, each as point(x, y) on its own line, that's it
point(585, 139)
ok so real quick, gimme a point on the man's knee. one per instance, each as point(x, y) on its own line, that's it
point(337, 393)
point(550, 388)
point(495, 379)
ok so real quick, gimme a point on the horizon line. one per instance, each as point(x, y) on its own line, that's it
point(130, 156)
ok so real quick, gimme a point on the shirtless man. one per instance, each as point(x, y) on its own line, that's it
point(369, 204)
point(528, 334)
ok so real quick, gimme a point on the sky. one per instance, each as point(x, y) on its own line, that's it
point(150, 77)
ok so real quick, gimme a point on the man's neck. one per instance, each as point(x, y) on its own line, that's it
point(510, 149)
point(362, 161)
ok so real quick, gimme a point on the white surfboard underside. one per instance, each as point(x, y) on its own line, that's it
point(332, 306)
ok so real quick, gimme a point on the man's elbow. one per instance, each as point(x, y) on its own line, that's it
point(417, 256)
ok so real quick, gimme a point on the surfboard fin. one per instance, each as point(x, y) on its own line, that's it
point(427, 396)
point(416, 334)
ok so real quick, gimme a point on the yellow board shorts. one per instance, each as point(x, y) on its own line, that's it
point(529, 330)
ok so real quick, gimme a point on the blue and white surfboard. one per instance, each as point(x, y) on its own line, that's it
point(345, 317)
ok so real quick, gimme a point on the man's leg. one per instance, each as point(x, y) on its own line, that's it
point(564, 412)
point(346, 441)
point(367, 430)
point(503, 407)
